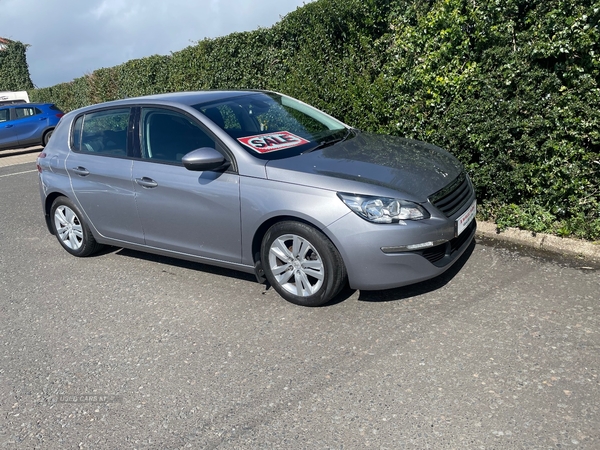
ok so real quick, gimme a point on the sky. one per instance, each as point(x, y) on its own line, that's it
point(71, 38)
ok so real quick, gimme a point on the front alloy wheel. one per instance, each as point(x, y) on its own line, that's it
point(301, 264)
point(296, 265)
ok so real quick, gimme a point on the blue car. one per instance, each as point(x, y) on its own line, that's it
point(27, 124)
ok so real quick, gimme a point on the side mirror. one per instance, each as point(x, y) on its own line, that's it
point(204, 158)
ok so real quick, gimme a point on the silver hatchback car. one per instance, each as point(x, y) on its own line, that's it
point(258, 182)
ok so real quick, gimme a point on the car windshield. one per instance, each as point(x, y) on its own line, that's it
point(272, 126)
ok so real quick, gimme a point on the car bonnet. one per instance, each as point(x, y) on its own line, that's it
point(412, 168)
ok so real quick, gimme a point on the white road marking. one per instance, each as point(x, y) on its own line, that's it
point(17, 173)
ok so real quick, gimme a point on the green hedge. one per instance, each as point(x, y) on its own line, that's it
point(14, 72)
point(510, 87)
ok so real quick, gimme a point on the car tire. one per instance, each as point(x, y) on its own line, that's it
point(71, 230)
point(302, 264)
point(46, 137)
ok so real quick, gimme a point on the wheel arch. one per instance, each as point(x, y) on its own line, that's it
point(262, 230)
point(312, 285)
point(45, 133)
point(48, 206)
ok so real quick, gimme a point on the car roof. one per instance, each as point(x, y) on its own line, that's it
point(182, 98)
point(195, 97)
point(24, 104)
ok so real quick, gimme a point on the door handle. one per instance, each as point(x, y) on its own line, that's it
point(81, 171)
point(9, 126)
point(146, 182)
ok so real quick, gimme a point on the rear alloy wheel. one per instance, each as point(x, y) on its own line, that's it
point(70, 229)
point(301, 264)
point(46, 137)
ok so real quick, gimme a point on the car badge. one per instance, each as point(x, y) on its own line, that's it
point(441, 172)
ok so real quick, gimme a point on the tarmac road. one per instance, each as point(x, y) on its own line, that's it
point(126, 350)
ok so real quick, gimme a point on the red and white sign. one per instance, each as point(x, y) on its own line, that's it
point(466, 218)
point(270, 142)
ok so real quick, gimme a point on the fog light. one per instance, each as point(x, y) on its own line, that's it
point(412, 247)
point(419, 246)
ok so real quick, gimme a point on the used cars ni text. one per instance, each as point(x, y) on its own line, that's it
point(258, 182)
point(27, 124)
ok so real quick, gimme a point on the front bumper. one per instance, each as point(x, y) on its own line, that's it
point(360, 243)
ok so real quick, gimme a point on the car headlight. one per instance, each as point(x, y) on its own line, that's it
point(383, 209)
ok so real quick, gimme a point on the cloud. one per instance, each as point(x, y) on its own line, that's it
point(69, 38)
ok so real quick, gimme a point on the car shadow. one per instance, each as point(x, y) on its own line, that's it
point(19, 152)
point(215, 270)
point(388, 295)
point(423, 287)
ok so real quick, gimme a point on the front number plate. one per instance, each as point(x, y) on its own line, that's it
point(466, 218)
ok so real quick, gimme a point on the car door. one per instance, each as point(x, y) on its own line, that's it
point(195, 213)
point(99, 168)
point(7, 129)
point(29, 123)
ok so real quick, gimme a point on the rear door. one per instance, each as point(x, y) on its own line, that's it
point(29, 124)
point(100, 168)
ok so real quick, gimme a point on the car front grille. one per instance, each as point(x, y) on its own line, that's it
point(451, 198)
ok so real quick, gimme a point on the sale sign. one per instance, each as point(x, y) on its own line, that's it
point(270, 142)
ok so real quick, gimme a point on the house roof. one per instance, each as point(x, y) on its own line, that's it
point(4, 42)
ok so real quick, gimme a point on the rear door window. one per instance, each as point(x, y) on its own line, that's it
point(23, 112)
point(102, 132)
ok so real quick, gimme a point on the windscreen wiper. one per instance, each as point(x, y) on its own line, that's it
point(328, 143)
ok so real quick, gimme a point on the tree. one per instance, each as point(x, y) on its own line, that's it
point(14, 71)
